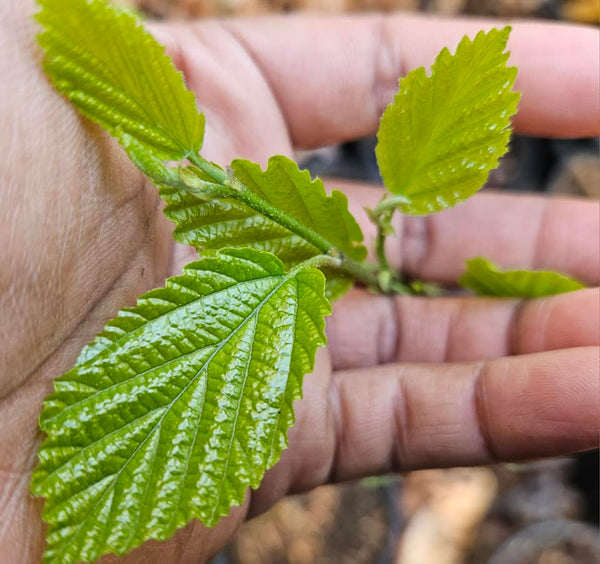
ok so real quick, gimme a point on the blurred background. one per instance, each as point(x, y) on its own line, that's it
point(536, 513)
point(578, 10)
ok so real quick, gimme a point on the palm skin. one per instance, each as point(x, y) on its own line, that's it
point(406, 383)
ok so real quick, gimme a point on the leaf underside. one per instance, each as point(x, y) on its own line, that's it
point(179, 406)
point(443, 133)
point(217, 223)
point(486, 279)
point(116, 74)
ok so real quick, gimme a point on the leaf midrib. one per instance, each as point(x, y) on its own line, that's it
point(116, 343)
point(165, 133)
point(442, 110)
point(168, 407)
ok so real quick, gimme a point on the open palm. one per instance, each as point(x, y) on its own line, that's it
point(406, 382)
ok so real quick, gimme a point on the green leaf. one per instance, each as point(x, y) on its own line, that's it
point(212, 224)
point(116, 74)
point(443, 133)
point(153, 168)
point(486, 279)
point(179, 406)
point(337, 284)
point(292, 191)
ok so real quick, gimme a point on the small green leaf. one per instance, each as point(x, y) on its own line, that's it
point(292, 191)
point(212, 224)
point(180, 405)
point(443, 133)
point(486, 279)
point(116, 74)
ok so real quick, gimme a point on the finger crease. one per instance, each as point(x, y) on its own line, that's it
point(539, 251)
point(387, 65)
point(417, 240)
point(388, 333)
point(480, 400)
point(400, 421)
point(399, 335)
point(452, 323)
point(339, 418)
point(513, 334)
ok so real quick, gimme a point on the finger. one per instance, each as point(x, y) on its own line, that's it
point(334, 76)
point(367, 330)
point(507, 409)
point(408, 416)
point(516, 231)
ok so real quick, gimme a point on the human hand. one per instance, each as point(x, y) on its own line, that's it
point(406, 382)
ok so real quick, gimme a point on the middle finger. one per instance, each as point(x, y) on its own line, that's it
point(367, 330)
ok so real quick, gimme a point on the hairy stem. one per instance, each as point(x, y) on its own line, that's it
point(342, 263)
point(390, 281)
point(391, 203)
point(320, 262)
point(380, 249)
point(360, 272)
point(255, 202)
point(214, 171)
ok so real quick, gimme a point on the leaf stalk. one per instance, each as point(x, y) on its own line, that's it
point(214, 171)
point(390, 204)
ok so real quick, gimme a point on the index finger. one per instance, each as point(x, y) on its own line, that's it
point(334, 76)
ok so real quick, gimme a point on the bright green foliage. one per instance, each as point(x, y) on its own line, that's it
point(216, 223)
point(210, 224)
point(292, 191)
point(486, 279)
point(443, 133)
point(184, 401)
point(116, 74)
point(179, 405)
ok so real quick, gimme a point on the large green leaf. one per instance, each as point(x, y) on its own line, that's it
point(179, 405)
point(443, 133)
point(116, 74)
point(486, 279)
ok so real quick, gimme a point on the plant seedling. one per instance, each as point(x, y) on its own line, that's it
point(184, 401)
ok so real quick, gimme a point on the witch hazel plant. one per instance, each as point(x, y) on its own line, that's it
point(184, 401)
